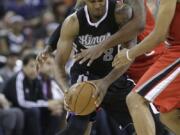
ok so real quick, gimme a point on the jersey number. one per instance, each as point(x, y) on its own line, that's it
point(82, 78)
point(108, 55)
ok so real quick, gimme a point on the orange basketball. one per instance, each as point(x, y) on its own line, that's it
point(82, 102)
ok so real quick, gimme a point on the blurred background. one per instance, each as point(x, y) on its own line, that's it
point(27, 24)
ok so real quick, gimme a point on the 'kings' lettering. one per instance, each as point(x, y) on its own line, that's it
point(89, 40)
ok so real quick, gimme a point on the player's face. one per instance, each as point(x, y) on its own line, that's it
point(96, 8)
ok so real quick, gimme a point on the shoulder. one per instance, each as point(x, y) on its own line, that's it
point(122, 7)
point(71, 19)
point(71, 24)
point(123, 12)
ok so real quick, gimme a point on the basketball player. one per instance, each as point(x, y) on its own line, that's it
point(89, 26)
point(141, 64)
point(132, 28)
point(161, 83)
point(52, 42)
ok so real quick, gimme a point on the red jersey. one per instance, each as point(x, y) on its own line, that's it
point(150, 23)
point(161, 83)
point(174, 32)
point(143, 62)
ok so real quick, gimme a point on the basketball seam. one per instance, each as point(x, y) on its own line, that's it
point(88, 101)
point(77, 98)
point(73, 107)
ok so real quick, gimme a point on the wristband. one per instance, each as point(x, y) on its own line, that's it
point(127, 55)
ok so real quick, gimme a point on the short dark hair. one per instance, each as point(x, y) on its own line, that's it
point(26, 58)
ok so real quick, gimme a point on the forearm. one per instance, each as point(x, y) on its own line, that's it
point(146, 45)
point(121, 36)
point(61, 78)
point(132, 28)
point(115, 74)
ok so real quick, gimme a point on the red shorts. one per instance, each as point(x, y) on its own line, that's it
point(144, 62)
point(161, 83)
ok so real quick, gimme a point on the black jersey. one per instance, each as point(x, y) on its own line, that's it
point(91, 34)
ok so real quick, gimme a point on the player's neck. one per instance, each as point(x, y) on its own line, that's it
point(94, 19)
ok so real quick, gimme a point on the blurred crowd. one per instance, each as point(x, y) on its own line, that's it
point(30, 102)
point(28, 23)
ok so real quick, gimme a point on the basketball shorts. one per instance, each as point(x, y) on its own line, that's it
point(161, 83)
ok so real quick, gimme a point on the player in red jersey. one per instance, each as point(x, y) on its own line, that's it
point(161, 83)
point(143, 62)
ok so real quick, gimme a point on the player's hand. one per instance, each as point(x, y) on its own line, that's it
point(101, 89)
point(42, 57)
point(121, 59)
point(67, 100)
point(89, 54)
point(59, 109)
point(52, 104)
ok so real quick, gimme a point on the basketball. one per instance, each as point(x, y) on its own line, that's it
point(82, 102)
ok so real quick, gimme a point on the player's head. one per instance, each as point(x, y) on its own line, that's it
point(29, 65)
point(96, 8)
